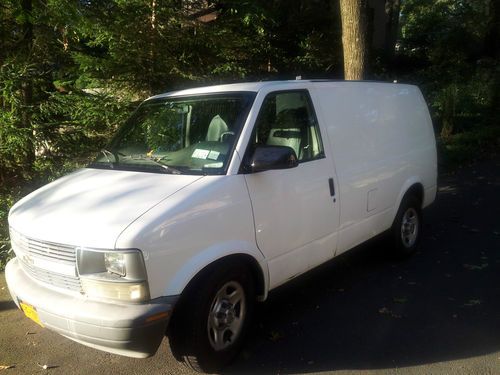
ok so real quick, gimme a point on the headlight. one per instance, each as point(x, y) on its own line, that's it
point(115, 263)
point(115, 274)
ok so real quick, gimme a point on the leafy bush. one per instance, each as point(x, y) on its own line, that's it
point(6, 201)
point(470, 145)
point(67, 131)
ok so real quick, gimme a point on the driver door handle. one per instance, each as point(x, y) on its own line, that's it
point(332, 187)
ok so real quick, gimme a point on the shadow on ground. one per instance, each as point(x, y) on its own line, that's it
point(7, 305)
point(366, 311)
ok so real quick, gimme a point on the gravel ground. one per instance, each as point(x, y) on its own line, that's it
point(362, 313)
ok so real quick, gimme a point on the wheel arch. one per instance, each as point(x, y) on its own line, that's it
point(187, 276)
point(414, 187)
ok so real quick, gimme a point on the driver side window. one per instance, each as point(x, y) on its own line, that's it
point(288, 119)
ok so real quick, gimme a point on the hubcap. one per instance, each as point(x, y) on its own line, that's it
point(226, 317)
point(409, 227)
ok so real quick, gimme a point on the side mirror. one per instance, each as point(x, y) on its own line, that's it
point(273, 157)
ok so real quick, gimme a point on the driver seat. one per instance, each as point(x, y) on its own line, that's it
point(216, 128)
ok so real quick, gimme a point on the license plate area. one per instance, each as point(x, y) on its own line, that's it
point(30, 312)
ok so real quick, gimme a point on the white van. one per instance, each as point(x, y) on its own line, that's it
point(208, 198)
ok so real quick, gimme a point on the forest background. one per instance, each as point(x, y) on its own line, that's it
point(71, 71)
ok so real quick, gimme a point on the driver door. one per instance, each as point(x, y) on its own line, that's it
point(295, 210)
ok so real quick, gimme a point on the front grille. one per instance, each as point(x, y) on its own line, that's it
point(59, 261)
point(55, 279)
point(60, 253)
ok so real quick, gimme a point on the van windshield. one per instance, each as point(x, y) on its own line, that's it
point(183, 135)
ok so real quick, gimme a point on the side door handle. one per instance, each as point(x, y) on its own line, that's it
point(332, 188)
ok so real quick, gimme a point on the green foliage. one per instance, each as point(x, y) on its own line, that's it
point(77, 123)
point(6, 201)
point(470, 145)
point(15, 140)
point(444, 48)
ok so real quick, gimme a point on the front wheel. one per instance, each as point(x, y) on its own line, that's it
point(209, 327)
point(407, 227)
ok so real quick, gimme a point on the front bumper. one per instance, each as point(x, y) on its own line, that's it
point(125, 329)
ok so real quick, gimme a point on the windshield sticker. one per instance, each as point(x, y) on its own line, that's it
point(214, 165)
point(214, 155)
point(200, 153)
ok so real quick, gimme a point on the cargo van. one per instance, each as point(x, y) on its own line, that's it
point(208, 198)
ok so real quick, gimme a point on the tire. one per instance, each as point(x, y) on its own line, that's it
point(406, 230)
point(211, 321)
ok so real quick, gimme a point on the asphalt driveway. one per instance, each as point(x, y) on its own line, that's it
point(438, 312)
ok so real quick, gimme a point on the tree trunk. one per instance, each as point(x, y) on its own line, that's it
point(353, 38)
point(392, 8)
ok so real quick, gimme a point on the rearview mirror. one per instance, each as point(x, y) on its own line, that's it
point(273, 157)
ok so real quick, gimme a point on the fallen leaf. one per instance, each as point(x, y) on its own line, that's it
point(6, 367)
point(474, 267)
point(246, 354)
point(446, 188)
point(275, 336)
point(473, 302)
point(400, 300)
point(386, 311)
point(47, 367)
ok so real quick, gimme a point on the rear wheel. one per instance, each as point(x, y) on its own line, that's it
point(407, 227)
point(210, 324)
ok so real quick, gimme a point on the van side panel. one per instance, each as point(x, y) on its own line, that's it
point(382, 138)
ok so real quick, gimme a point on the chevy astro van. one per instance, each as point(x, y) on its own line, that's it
point(208, 198)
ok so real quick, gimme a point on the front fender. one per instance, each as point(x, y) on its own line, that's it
point(211, 254)
point(205, 221)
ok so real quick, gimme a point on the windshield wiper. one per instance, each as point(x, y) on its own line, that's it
point(167, 168)
point(107, 153)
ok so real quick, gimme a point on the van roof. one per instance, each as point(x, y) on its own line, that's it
point(256, 86)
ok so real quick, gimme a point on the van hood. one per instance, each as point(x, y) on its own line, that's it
point(91, 207)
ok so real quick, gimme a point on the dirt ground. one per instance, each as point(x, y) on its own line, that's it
point(362, 313)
